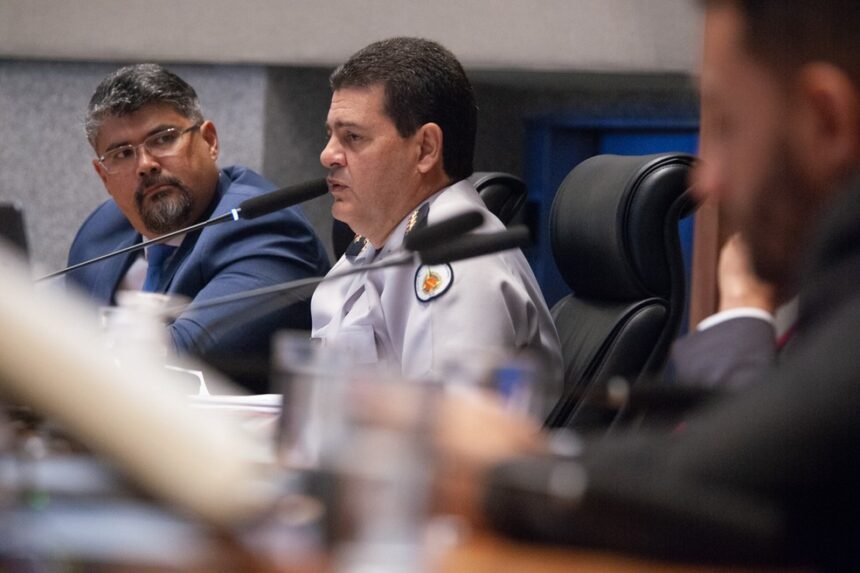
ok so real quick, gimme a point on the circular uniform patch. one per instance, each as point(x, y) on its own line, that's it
point(431, 281)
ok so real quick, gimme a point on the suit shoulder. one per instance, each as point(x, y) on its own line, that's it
point(243, 183)
point(105, 221)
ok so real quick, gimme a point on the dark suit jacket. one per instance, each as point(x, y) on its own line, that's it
point(227, 258)
point(770, 473)
point(730, 354)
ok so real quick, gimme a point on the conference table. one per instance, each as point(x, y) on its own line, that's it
point(62, 509)
point(129, 532)
point(488, 553)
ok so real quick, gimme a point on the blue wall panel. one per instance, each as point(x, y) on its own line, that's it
point(556, 144)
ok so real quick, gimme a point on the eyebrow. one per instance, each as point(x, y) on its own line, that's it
point(159, 128)
point(341, 124)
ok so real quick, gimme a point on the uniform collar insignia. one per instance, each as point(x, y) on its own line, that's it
point(418, 218)
point(355, 248)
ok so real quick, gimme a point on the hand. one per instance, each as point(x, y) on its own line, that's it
point(738, 284)
point(474, 432)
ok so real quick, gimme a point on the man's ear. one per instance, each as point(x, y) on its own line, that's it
point(210, 136)
point(429, 139)
point(100, 171)
point(828, 122)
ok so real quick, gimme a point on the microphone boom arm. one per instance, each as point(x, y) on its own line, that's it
point(233, 214)
point(392, 261)
point(467, 247)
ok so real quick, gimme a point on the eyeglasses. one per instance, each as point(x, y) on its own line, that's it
point(165, 143)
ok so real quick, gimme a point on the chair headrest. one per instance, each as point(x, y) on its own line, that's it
point(502, 193)
point(614, 224)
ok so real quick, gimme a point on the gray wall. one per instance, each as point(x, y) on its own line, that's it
point(45, 160)
point(566, 35)
point(296, 106)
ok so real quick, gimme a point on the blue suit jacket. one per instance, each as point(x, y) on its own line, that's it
point(231, 257)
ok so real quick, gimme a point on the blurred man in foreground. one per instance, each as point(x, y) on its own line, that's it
point(401, 131)
point(768, 475)
point(156, 155)
point(734, 346)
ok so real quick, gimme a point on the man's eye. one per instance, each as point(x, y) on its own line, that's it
point(163, 139)
point(353, 137)
point(120, 154)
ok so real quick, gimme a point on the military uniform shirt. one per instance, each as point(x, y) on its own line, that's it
point(418, 318)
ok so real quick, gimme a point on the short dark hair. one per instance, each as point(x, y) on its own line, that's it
point(128, 89)
point(786, 34)
point(423, 83)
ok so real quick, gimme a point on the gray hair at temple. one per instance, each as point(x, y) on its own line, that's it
point(130, 88)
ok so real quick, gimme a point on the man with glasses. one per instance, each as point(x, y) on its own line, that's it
point(156, 155)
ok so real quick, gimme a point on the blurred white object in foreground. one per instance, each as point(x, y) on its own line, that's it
point(52, 361)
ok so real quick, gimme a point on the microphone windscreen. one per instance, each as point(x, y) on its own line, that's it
point(443, 231)
point(476, 245)
point(282, 198)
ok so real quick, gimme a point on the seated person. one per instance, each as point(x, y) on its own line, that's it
point(401, 130)
point(768, 474)
point(732, 347)
point(156, 155)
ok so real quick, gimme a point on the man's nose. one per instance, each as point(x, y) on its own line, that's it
point(331, 155)
point(146, 162)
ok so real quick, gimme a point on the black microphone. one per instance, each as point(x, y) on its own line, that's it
point(431, 235)
point(282, 295)
point(282, 198)
point(660, 398)
point(459, 248)
point(590, 406)
point(247, 209)
point(475, 245)
point(438, 233)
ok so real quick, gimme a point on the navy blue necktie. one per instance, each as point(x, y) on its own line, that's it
point(155, 257)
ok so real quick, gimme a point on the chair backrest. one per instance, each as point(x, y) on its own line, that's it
point(614, 233)
point(503, 194)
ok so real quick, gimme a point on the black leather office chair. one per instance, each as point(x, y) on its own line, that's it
point(614, 232)
point(503, 193)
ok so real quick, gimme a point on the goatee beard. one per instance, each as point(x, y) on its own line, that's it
point(167, 210)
